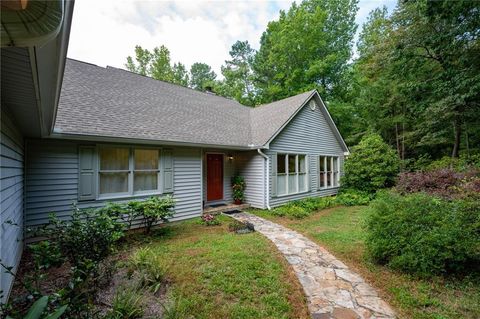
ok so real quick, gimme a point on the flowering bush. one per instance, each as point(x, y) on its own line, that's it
point(445, 183)
point(210, 220)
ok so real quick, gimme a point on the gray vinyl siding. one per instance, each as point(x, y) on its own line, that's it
point(307, 133)
point(251, 166)
point(52, 181)
point(11, 197)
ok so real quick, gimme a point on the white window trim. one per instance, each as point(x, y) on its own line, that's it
point(297, 173)
point(326, 172)
point(131, 172)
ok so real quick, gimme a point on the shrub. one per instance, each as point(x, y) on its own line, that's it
point(46, 254)
point(210, 220)
point(89, 236)
point(312, 204)
point(290, 211)
point(153, 210)
point(442, 182)
point(353, 198)
point(238, 188)
point(422, 234)
point(371, 166)
point(149, 268)
point(127, 304)
point(463, 163)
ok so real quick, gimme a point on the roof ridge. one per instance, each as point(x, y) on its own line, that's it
point(175, 84)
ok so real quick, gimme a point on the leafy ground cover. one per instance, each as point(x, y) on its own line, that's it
point(340, 230)
point(190, 270)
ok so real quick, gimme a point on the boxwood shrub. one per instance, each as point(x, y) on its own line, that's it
point(423, 234)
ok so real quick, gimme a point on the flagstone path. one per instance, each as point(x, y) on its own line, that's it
point(333, 291)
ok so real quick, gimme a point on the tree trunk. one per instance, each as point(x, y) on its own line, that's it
point(457, 130)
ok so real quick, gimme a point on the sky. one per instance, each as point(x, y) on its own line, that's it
point(105, 32)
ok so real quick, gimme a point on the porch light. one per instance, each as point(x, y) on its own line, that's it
point(230, 157)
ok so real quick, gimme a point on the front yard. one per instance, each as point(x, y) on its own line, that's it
point(340, 230)
point(189, 270)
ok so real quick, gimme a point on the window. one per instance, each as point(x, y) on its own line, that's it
point(292, 174)
point(127, 171)
point(328, 168)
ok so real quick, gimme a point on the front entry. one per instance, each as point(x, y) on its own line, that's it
point(214, 177)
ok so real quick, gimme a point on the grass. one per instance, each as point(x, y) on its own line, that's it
point(214, 273)
point(340, 230)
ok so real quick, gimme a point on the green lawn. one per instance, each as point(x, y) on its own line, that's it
point(217, 274)
point(340, 231)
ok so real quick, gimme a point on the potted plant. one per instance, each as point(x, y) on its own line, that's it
point(238, 187)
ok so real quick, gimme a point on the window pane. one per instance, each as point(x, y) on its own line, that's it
point(335, 164)
point(329, 179)
point(281, 164)
point(291, 163)
point(322, 179)
point(114, 158)
point(282, 184)
point(302, 182)
point(322, 163)
point(335, 179)
point(144, 181)
point(113, 183)
point(146, 159)
point(292, 183)
point(302, 164)
point(329, 164)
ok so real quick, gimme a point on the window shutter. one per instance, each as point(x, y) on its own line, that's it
point(167, 158)
point(273, 174)
point(87, 173)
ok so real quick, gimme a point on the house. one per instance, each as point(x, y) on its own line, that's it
point(34, 41)
point(112, 135)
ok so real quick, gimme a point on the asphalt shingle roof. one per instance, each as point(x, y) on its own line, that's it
point(111, 102)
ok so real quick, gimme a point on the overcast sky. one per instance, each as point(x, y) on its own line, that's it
point(105, 32)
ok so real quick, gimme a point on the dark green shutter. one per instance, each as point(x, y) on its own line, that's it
point(273, 174)
point(167, 157)
point(87, 173)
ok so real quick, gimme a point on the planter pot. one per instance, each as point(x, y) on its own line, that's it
point(237, 201)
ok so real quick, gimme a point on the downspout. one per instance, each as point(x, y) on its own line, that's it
point(267, 179)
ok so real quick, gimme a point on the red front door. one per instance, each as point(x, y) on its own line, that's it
point(214, 177)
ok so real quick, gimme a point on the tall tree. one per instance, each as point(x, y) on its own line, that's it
point(180, 74)
point(238, 74)
point(308, 47)
point(201, 75)
point(157, 64)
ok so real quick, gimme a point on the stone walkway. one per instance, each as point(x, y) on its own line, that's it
point(332, 290)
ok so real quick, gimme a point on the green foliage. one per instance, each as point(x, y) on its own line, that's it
point(417, 77)
point(157, 65)
point(238, 74)
point(201, 75)
point(38, 309)
point(46, 254)
point(422, 234)
point(127, 304)
point(290, 211)
point(308, 47)
point(460, 164)
point(88, 236)
point(153, 210)
point(148, 267)
point(238, 188)
point(353, 198)
point(373, 165)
